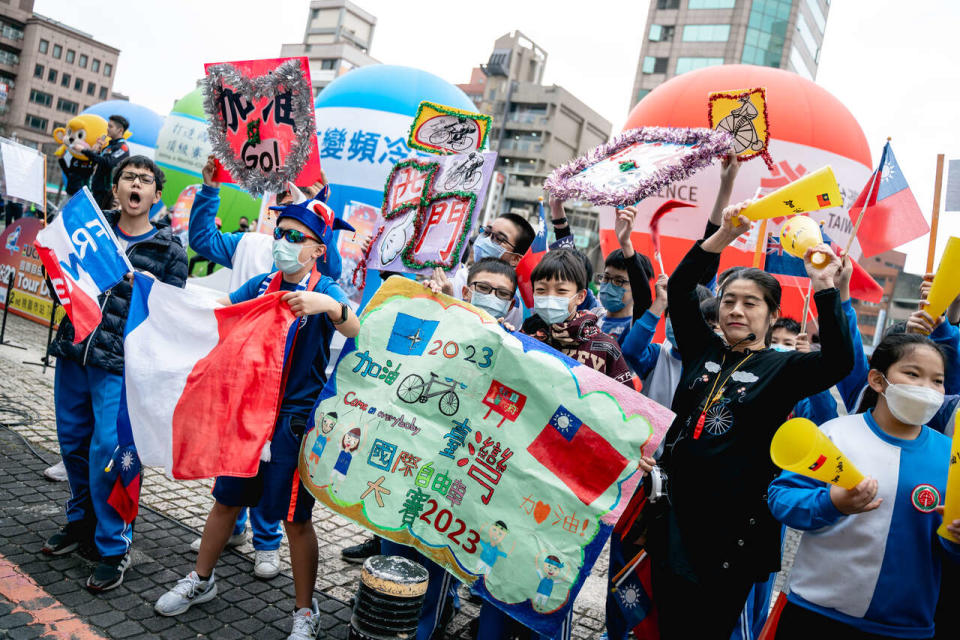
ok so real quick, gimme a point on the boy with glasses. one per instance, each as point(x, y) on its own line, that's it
point(491, 285)
point(508, 237)
point(87, 383)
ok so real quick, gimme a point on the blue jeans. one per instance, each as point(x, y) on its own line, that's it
point(267, 534)
point(86, 401)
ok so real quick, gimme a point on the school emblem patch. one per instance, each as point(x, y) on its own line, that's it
point(925, 498)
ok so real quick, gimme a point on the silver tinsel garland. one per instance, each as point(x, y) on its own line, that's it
point(289, 76)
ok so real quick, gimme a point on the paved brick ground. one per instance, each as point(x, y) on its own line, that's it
point(172, 513)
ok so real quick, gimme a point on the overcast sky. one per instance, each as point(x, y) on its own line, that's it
point(896, 69)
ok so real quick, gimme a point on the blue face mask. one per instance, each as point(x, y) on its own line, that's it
point(611, 296)
point(782, 347)
point(672, 339)
point(490, 303)
point(552, 309)
point(485, 247)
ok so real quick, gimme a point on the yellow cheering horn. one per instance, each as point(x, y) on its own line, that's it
point(812, 192)
point(946, 282)
point(800, 233)
point(799, 446)
point(951, 505)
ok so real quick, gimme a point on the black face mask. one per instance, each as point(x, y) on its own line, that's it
point(244, 227)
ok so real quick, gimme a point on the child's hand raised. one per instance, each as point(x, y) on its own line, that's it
point(209, 170)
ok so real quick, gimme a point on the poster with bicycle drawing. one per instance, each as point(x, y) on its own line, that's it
point(430, 208)
point(440, 129)
point(498, 458)
point(743, 114)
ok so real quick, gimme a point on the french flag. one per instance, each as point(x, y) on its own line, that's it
point(889, 211)
point(83, 259)
point(202, 382)
point(531, 259)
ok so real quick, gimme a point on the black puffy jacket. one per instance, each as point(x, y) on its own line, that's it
point(162, 255)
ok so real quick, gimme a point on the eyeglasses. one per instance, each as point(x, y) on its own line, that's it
point(294, 236)
point(486, 289)
point(130, 176)
point(497, 236)
point(616, 281)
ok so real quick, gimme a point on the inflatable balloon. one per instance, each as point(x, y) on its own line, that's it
point(363, 119)
point(182, 150)
point(144, 124)
point(809, 129)
point(800, 233)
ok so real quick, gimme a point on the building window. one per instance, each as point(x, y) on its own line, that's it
point(38, 71)
point(67, 106)
point(83, 61)
point(12, 32)
point(65, 80)
point(57, 51)
point(798, 63)
point(103, 93)
point(91, 88)
point(689, 64)
point(35, 122)
point(817, 13)
point(41, 98)
point(71, 54)
point(642, 94)
point(711, 4)
point(661, 33)
point(328, 63)
point(59, 125)
point(52, 75)
point(807, 36)
point(9, 57)
point(766, 32)
point(668, 4)
point(95, 66)
point(107, 69)
point(654, 65)
point(44, 46)
point(706, 33)
point(78, 84)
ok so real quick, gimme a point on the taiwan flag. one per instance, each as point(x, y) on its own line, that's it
point(577, 455)
point(202, 382)
point(530, 260)
point(891, 215)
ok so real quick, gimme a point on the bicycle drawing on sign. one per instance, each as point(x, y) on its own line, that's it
point(465, 176)
point(413, 389)
point(452, 132)
point(739, 124)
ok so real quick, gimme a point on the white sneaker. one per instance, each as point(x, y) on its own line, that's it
point(188, 592)
point(57, 473)
point(306, 623)
point(266, 564)
point(234, 541)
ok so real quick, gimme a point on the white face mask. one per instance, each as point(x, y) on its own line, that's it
point(912, 404)
point(490, 303)
point(782, 347)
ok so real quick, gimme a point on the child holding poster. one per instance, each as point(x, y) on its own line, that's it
point(300, 240)
point(862, 546)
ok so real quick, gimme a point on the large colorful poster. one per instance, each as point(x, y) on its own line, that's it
point(365, 219)
point(18, 257)
point(495, 456)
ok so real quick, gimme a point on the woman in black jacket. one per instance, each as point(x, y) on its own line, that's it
point(717, 536)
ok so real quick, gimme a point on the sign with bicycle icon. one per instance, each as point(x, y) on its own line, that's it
point(441, 129)
point(440, 430)
point(743, 114)
point(430, 209)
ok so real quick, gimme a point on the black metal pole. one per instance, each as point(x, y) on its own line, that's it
point(46, 351)
point(6, 310)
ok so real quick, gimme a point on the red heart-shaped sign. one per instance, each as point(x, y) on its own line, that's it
point(541, 511)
